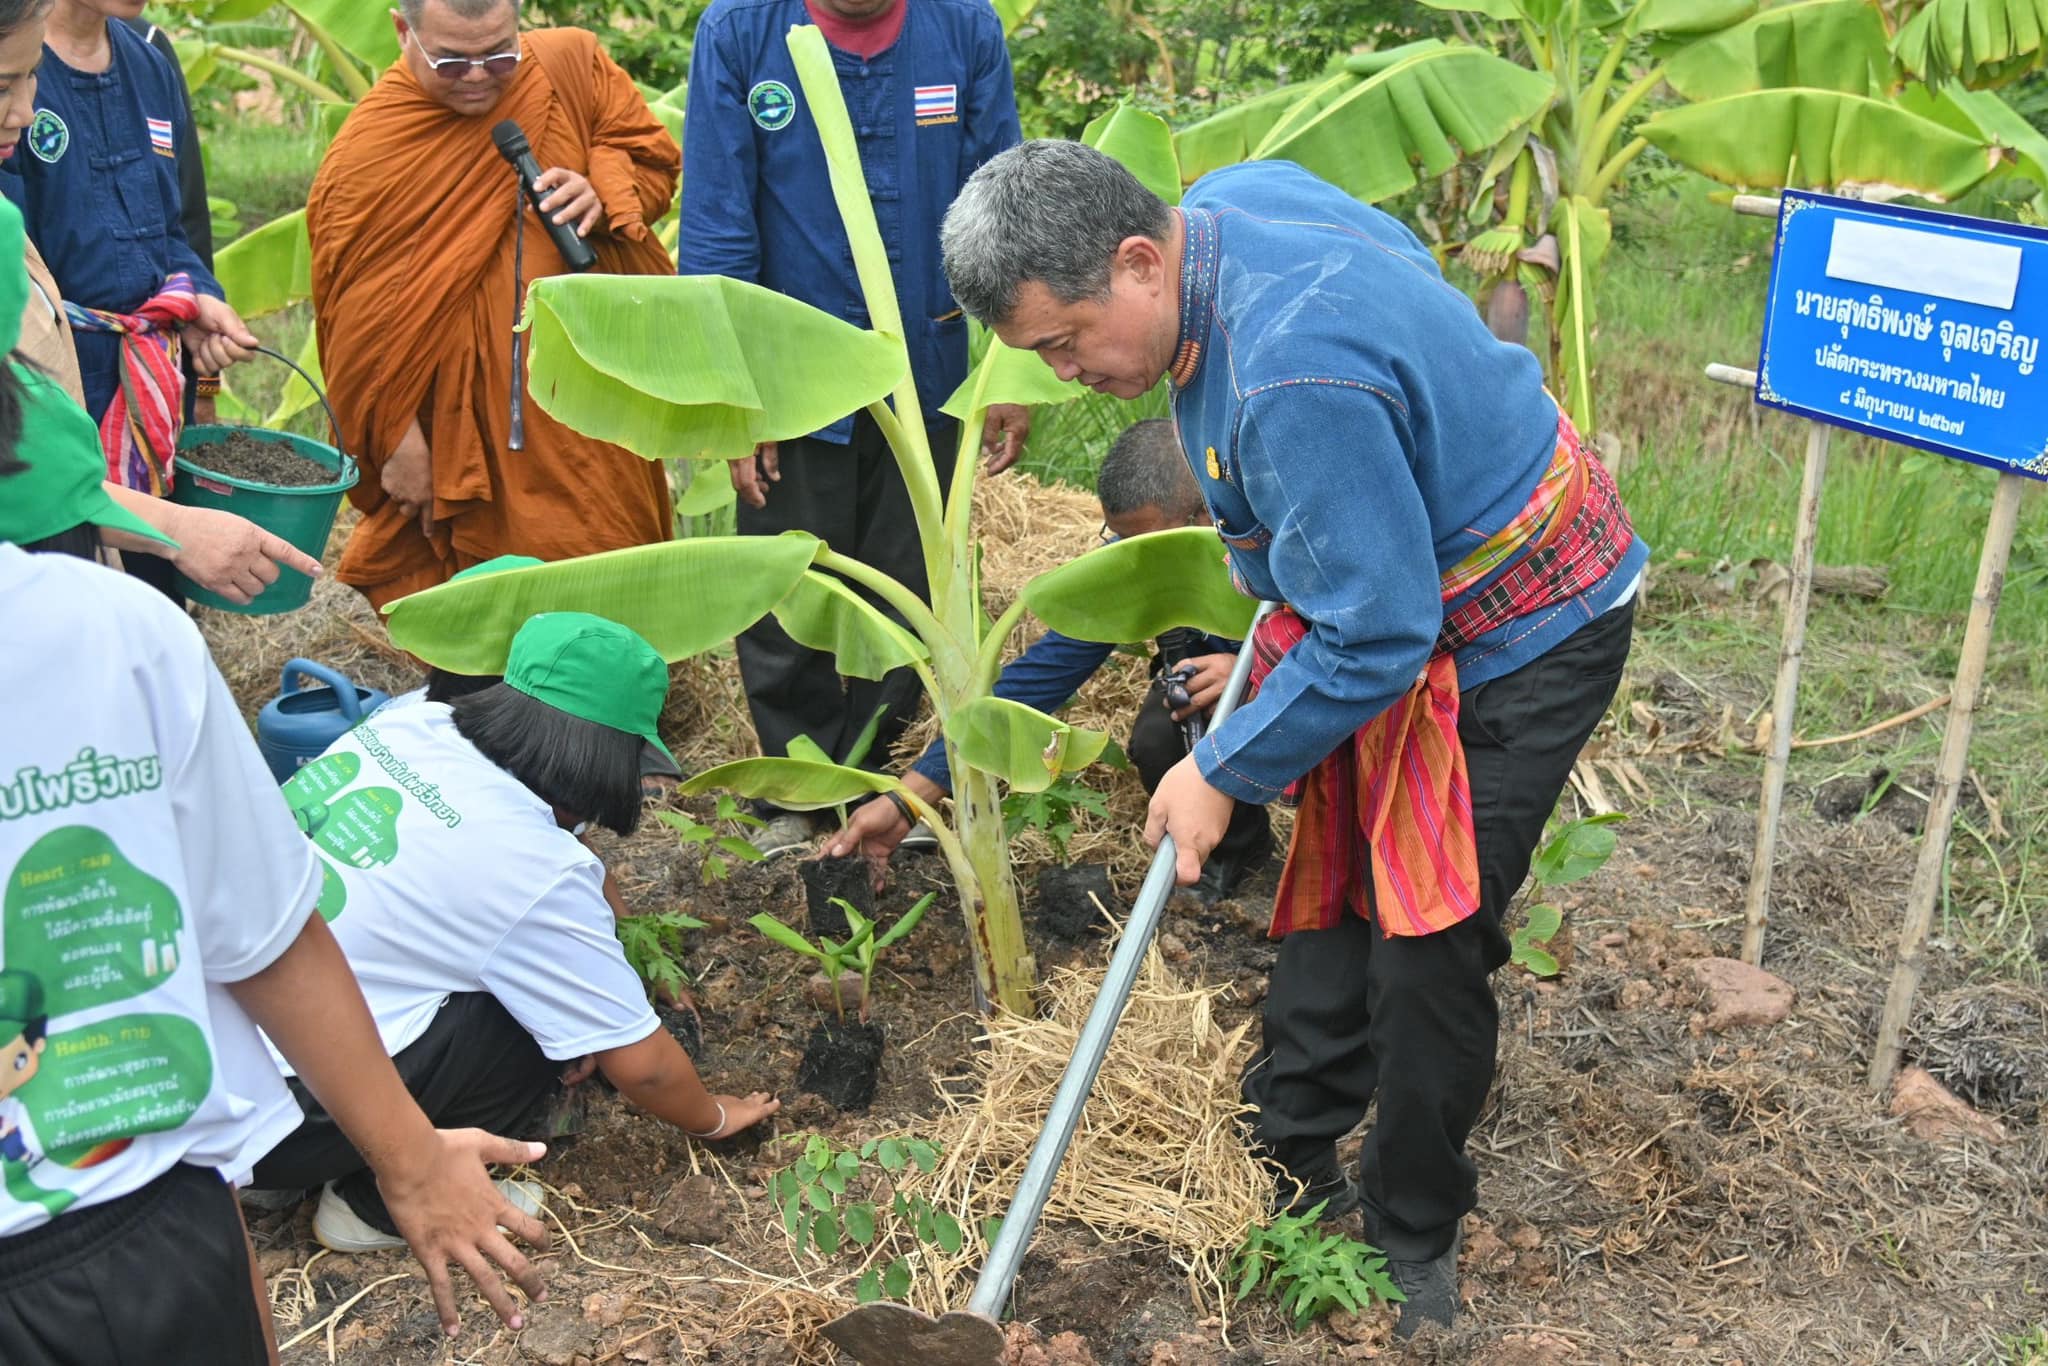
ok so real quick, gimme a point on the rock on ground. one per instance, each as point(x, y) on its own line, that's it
point(1737, 995)
point(556, 1335)
point(694, 1211)
point(1934, 1113)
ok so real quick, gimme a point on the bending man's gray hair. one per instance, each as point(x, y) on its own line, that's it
point(1054, 212)
point(464, 9)
point(1144, 468)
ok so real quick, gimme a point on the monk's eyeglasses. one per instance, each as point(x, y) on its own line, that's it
point(500, 64)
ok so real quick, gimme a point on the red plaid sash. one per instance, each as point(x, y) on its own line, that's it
point(1396, 797)
point(140, 430)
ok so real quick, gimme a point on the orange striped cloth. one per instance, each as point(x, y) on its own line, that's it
point(1396, 798)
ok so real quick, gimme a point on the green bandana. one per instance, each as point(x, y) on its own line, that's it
point(591, 668)
point(63, 484)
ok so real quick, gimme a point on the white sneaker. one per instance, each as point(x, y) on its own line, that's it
point(340, 1229)
point(784, 834)
point(920, 840)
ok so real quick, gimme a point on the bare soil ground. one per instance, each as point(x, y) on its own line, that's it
point(1649, 1191)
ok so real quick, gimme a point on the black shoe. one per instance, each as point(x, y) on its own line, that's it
point(1338, 1195)
point(1222, 873)
point(1431, 1288)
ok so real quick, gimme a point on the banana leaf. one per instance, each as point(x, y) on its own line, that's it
point(1379, 59)
point(1025, 748)
point(1007, 375)
point(700, 366)
point(363, 30)
point(1228, 136)
point(822, 613)
point(269, 269)
point(1820, 139)
point(709, 490)
point(1385, 134)
point(1978, 42)
point(1583, 232)
point(1691, 16)
point(1135, 588)
point(683, 597)
point(1143, 143)
point(1983, 114)
point(792, 784)
point(1502, 11)
point(297, 395)
point(1820, 45)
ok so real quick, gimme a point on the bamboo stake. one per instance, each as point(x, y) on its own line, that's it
point(1948, 779)
point(1757, 913)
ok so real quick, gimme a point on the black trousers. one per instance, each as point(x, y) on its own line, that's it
point(853, 498)
point(159, 1277)
point(1351, 1014)
point(1156, 746)
point(474, 1068)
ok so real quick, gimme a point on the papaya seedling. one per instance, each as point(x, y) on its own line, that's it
point(654, 946)
point(830, 1197)
point(1310, 1271)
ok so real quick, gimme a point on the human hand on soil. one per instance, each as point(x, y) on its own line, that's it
point(741, 1113)
point(1194, 813)
point(874, 830)
point(751, 475)
point(579, 1071)
point(217, 337)
point(575, 199)
point(231, 555)
point(1003, 434)
point(1205, 684)
point(408, 478)
point(442, 1200)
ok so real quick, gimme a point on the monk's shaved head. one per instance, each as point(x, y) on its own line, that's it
point(461, 9)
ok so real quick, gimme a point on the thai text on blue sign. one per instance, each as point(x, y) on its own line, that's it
point(1913, 326)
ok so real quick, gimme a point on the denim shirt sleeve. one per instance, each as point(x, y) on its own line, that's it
point(992, 125)
point(1052, 670)
point(1325, 467)
point(717, 234)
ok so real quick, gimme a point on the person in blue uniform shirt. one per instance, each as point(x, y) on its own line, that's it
point(96, 178)
point(928, 87)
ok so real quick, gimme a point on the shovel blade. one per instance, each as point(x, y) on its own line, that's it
point(889, 1334)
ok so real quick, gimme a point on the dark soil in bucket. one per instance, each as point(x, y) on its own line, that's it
point(1065, 908)
point(826, 878)
point(250, 458)
point(842, 1064)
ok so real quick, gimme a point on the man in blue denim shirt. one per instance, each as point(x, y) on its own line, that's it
point(1144, 487)
point(1361, 439)
point(927, 86)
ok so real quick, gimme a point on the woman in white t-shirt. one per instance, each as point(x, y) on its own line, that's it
point(156, 908)
point(474, 918)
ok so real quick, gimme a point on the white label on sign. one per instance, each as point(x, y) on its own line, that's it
point(1958, 268)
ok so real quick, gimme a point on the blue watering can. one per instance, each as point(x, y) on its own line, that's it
point(296, 726)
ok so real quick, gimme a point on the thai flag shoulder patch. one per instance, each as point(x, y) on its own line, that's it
point(161, 139)
point(937, 104)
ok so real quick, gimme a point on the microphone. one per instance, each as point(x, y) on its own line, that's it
point(512, 145)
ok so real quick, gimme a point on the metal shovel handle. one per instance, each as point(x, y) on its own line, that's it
point(992, 1289)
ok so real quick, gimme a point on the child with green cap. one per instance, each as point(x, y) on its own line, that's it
point(156, 911)
point(475, 920)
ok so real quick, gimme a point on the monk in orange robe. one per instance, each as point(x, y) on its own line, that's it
point(411, 220)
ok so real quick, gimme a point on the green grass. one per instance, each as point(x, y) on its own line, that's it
point(264, 169)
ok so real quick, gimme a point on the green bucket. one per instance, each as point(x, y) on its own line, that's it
point(302, 516)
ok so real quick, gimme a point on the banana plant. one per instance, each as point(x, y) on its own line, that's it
point(705, 368)
point(1813, 94)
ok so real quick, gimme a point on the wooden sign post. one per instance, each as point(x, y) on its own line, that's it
point(1922, 328)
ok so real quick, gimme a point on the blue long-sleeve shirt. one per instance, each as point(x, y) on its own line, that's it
point(96, 179)
point(1356, 432)
point(757, 197)
point(1049, 672)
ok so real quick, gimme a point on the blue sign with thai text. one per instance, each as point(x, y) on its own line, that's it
point(1911, 326)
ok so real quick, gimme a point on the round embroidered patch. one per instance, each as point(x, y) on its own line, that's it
point(49, 137)
point(772, 105)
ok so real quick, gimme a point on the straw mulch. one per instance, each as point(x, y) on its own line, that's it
point(1158, 1155)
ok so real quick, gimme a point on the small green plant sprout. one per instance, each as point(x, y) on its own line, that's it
point(718, 848)
point(1309, 1271)
point(1579, 849)
point(859, 954)
point(1053, 812)
point(831, 1196)
point(654, 946)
